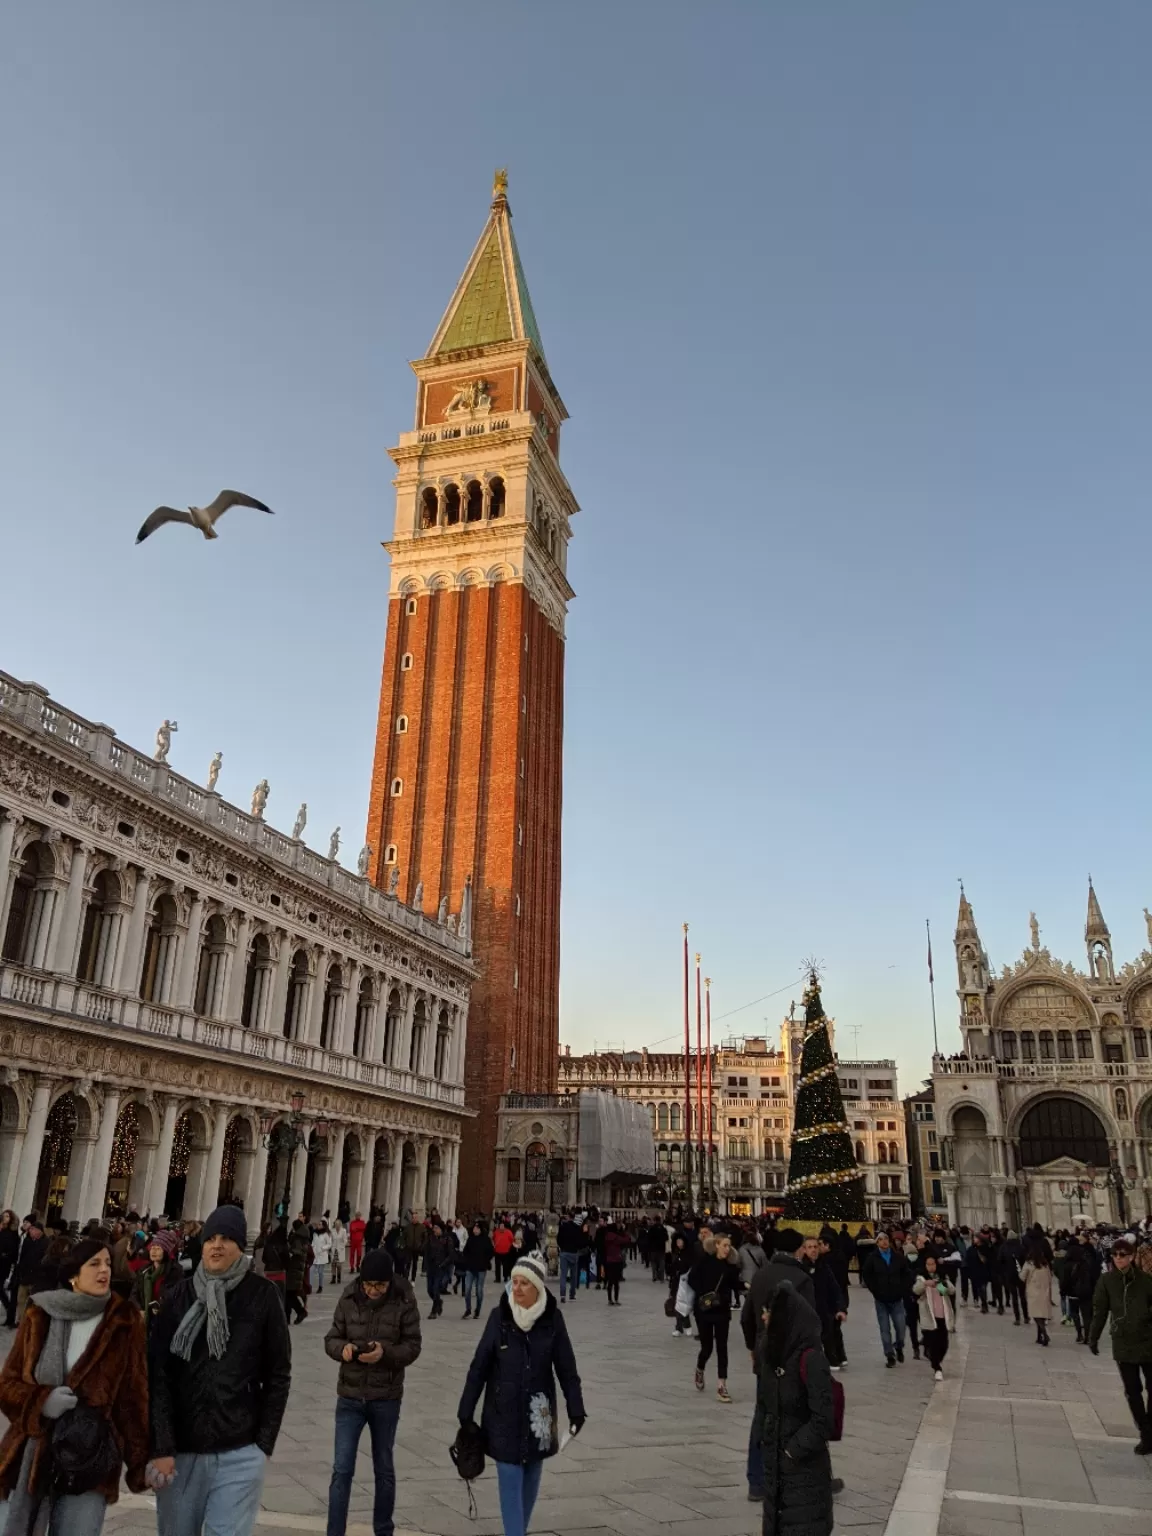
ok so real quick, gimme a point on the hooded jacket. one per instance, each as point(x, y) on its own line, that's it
point(781, 1266)
point(392, 1321)
point(794, 1421)
point(517, 1373)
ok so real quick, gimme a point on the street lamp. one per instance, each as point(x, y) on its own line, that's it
point(1112, 1178)
point(284, 1138)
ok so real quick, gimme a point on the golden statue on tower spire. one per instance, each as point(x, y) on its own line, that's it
point(500, 183)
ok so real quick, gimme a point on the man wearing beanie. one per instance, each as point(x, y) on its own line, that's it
point(220, 1367)
point(375, 1335)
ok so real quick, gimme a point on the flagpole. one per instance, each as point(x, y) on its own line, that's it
point(932, 989)
point(699, 1089)
point(686, 1158)
point(708, 1087)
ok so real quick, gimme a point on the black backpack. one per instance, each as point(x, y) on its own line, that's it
point(85, 1452)
point(467, 1452)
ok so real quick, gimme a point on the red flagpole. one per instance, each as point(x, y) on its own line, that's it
point(686, 1160)
point(699, 1089)
point(711, 1129)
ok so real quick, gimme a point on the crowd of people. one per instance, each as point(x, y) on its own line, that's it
point(161, 1351)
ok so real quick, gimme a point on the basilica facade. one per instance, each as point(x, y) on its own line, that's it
point(1046, 1114)
point(197, 1007)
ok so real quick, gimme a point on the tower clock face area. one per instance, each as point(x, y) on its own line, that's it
point(466, 790)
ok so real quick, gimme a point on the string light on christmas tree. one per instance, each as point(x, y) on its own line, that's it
point(824, 1183)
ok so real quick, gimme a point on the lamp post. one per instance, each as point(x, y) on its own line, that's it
point(1112, 1178)
point(284, 1138)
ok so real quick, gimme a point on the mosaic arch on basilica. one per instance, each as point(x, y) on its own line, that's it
point(180, 984)
point(1046, 1114)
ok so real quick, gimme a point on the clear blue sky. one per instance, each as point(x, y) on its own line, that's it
point(850, 306)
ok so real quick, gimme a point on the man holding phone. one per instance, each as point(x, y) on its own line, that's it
point(375, 1335)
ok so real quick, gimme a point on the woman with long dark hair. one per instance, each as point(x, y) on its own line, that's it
point(934, 1294)
point(79, 1349)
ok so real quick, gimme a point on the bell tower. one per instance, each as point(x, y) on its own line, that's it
point(466, 782)
point(975, 978)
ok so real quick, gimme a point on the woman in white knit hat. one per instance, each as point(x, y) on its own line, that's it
point(523, 1352)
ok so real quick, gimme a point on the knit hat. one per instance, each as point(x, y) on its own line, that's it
point(533, 1267)
point(165, 1240)
point(377, 1266)
point(225, 1221)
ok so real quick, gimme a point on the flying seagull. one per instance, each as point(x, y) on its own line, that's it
point(203, 518)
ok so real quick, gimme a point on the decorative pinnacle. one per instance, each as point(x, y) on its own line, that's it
point(500, 183)
point(697, 957)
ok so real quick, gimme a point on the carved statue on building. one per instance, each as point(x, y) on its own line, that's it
point(393, 880)
point(301, 821)
point(164, 741)
point(364, 858)
point(471, 396)
point(442, 911)
point(1035, 927)
point(418, 899)
point(1148, 923)
point(334, 844)
point(260, 799)
point(214, 772)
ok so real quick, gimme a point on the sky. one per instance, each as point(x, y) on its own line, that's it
point(850, 308)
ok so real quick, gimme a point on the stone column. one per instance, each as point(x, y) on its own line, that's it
point(210, 1188)
point(8, 829)
point(184, 995)
point(38, 948)
point(68, 936)
point(97, 1187)
point(420, 1193)
point(360, 1198)
point(274, 1014)
point(394, 1185)
point(129, 956)
point(448, 1203)
point(33, 1146)
point(373, 1045)
point(239, 968)
point(299, 1175)
point(331, 1191)
point(162, 1159)
point(404, 1044)
point(346, 1020)
point(108, 946)
point(459, 1036)
point(254, 1194)
point(311, 1032)
point(79, 1173)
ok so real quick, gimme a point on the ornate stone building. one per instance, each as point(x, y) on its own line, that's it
point(194, 1006)
point(1047, 1113)
point(466, 785)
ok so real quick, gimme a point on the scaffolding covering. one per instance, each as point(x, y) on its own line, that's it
point(615, 1139)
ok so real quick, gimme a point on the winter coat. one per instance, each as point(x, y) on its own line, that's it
point(321, 1248)
point(657, 1237)
point(927, 1316)
point(1038, 1282)
point(111, 1375)
point(149, 1285)
point(1126, 1298)
point(752, 1258)
point(887, 1280)
point(502, 1240)
point(205, 1405)
point(440, 1254)
point(792, 1424)
point(710, 1276)
point(830, 1298)
point(569, 1238)
point(275, 1251)
point(28, 1265)
point(781, 1266)
point(299, 1248)
point(1081, 1271)
point(517, 1373)
point(978, 1265)
point(356, 1230)
point(615, 1247)
point(477, 1256)
point(339, 1245)
point(393, 1321)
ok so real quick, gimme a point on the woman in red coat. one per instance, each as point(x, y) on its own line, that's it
point(356, 1228)
point(615, 1247)
point(80, 1346)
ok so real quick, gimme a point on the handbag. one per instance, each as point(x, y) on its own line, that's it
point(85, 1452)
point(467, 1453)
point(685, 1297)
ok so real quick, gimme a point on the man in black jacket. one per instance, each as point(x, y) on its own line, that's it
point(33, 1248)
point(657, 1241)
point(220, 1366)
point(569, 1241)
point(888, 1275)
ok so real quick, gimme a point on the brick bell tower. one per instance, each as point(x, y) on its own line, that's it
point(466, 783)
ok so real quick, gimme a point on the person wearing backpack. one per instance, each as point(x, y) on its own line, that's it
point(796, 1416)
point(523, 1351)
point(77, 1371)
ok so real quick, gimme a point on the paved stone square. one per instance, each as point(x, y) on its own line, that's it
point(1018, 1441)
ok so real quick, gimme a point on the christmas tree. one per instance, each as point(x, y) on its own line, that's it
point(824, 1183)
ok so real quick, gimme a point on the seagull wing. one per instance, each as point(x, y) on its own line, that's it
point(158, 518)
point(226, 499)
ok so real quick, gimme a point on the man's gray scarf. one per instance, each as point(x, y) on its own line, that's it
point(28, 1511)
point(209, 1304)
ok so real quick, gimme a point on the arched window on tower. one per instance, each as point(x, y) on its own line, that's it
point(861, 1152)
point(496, 497)
point(474, 506)
point(429, 507)
point(893, 1152)
point(451, 505)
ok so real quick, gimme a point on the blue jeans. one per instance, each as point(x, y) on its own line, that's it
point(519, 1486)
point(352, 1413)
point(474, 1280)
point(569, 1273)
point(889, 1315)
point(318, 1276)
point(72, 1514)
point(215, 1494)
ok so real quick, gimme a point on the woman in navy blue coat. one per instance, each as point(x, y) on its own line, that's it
point(522, 1352)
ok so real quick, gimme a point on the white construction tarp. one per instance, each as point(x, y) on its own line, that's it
point(615, 1139)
